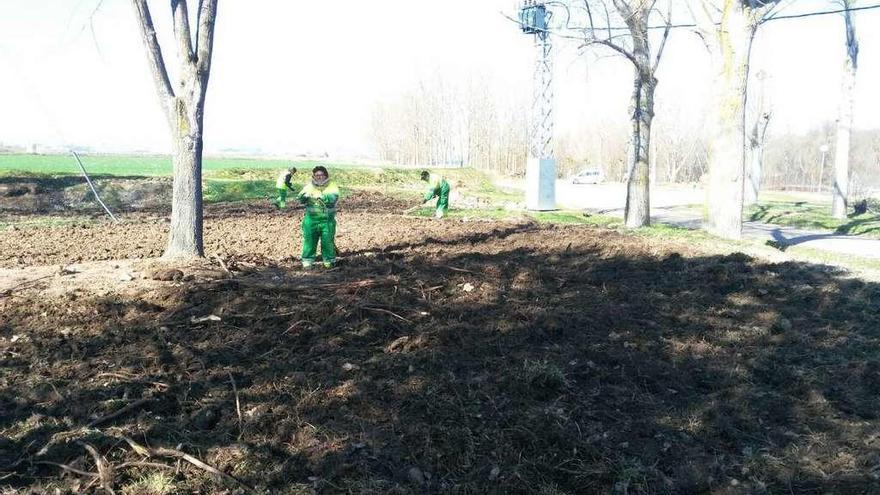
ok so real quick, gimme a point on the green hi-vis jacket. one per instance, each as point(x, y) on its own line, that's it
point(320, 201)
point(435, 186)
point(283, 180)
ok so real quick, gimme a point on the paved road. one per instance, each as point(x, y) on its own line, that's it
point(670, 205)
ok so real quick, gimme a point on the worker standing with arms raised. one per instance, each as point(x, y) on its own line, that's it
point(282, 184)
point(319, 222)
point(438, 188)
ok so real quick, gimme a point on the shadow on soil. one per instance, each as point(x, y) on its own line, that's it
point(558, 365)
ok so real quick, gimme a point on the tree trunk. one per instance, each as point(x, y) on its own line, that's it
point(638, 207)
point(756, 171)
point(757, 137)
point(840, 190)
point(727, 121)
point(185, 237)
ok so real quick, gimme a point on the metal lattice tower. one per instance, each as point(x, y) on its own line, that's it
point(541, 138)
point(534, 19)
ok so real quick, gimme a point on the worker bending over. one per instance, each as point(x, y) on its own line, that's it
point(282, 184)
point(438, 188)
point(319, 222)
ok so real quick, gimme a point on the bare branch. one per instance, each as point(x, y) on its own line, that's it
point(771, 11)
point(589, 14)
point(205, 43)
point(705, 24)
point(154, 55)
point(624, 9)
point(668, 20)
point(612, 45)
point(607, 19)
point(182, 31)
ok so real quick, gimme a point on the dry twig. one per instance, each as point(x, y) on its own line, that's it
point(222, 264)
point(237, 402)
point(134, 405)
point(105, 470)
point(462, 270)
point(382, 310)
point(144, 465)
point(68, 468)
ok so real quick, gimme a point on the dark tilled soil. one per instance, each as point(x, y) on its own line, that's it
point(71, 194)
point(246, 228)
point(442, 357)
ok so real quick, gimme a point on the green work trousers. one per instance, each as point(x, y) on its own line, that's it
point(281, 200)
point(314, 230)
point(443, 199)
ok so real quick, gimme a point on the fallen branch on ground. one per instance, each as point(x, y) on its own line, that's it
point(68, 468)
point(177, 454)
point(357, 284)
point(459, 269)
point(105, 470)
point(237, 402)
point(134, 405)
point(222, 264)
point(381, 310)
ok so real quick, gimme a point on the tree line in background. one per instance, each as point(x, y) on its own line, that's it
point(475, 130)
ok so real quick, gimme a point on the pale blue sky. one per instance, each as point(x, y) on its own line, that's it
point(294, 76)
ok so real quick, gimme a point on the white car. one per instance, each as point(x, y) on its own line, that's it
point(588, 177)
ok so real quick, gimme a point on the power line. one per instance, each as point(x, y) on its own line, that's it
point(826, 12)
point(691, 25)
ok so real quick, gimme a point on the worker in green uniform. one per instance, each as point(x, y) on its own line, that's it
point(438, 188)
point(282, 184)
point(319, 222)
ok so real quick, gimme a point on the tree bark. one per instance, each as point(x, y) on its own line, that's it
point(840, 191)
point(756, 158)
point(638, 207)
point(755, 175)
point(757, 137)
point(185, 236)
point(730, 55)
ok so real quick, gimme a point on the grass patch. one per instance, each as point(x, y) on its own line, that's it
point(802, 214)
point(559, 217)
point(136, 165)
point(151, 484)
point(220, 190)
point(241, 180)
point(238, 184)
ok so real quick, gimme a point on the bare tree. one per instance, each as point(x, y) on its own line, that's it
point(635, 46)
point(760, 114)
point(448, 121)
point(844, 123)
point(184, 106)
point(729, 41)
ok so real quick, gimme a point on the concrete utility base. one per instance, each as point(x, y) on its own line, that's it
point(541, 184)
